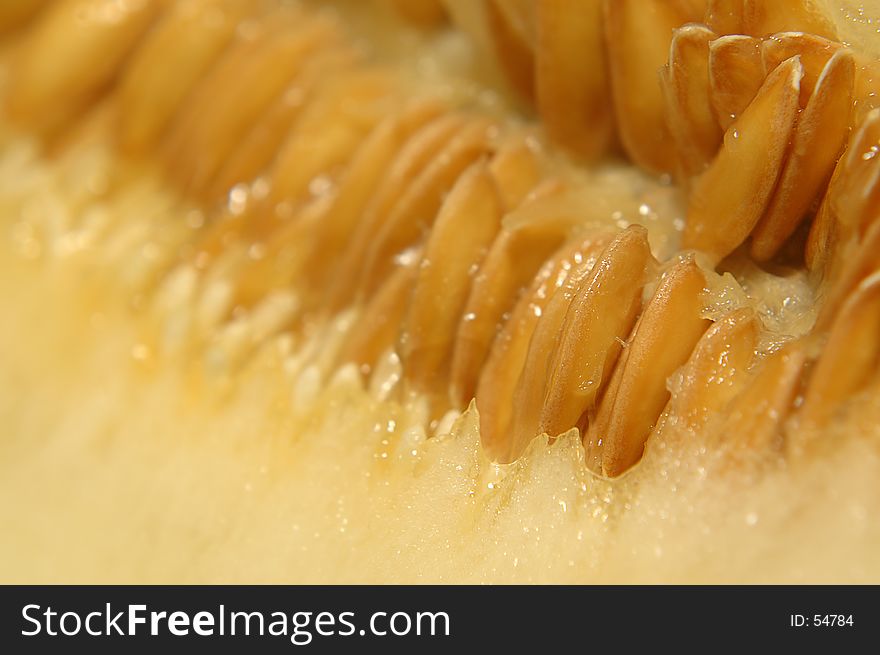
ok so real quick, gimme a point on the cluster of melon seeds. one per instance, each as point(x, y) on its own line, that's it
point(298, 291)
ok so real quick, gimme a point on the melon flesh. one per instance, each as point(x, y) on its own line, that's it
point(137, 446)
point(120, 463)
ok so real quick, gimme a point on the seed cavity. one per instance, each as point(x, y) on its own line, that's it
point(444, 247)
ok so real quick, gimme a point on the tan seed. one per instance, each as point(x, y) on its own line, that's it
point(662, 341)
point(465, 227)
point(819, 138)
point(420, 149)
point(577, 362)
point(763, 17)
point(731, 196)
point(638, 33)
point(512, 49)
point(814, 53)
point(58, 71)
point(756, 415)
point(571, 78)
point(174, 56)
point(850, 202)
point(501, 373)
point(256, 150)
point(859, 260)
point(424, 13)
point(718, 367)
point(851, 355)
point(517, 169)
point(15, 13)
point(414, 214)
point(736, 72)
point(689, 113)
point(513, 260)
point(725, 16)
point(337, 119)
point(378, 326)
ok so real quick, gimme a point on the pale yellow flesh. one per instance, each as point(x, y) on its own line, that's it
point(115, 470)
